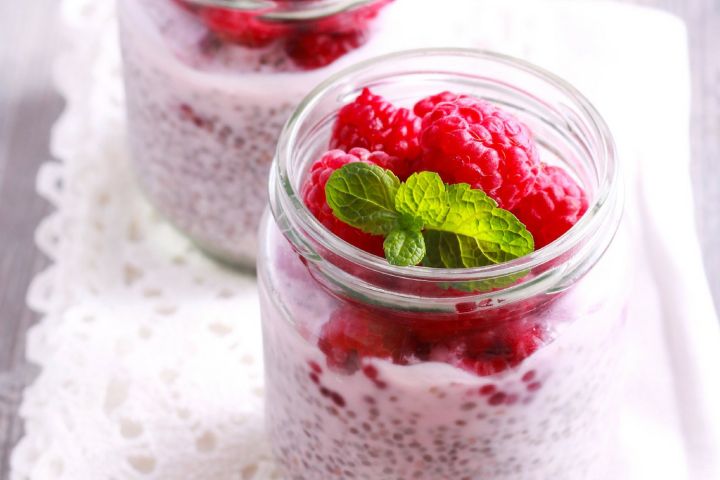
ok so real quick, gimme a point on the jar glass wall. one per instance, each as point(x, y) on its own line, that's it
point(208, 90)
point(364, 375)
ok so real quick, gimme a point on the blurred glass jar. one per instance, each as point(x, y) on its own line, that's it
point(510, 371)
point(208, 89)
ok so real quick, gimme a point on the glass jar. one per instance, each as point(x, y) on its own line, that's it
point(366, 376)
point(208, 90)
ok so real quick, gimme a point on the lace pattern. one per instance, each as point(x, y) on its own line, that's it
point(136, 354)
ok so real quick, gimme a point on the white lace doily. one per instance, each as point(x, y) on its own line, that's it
point(150, 353)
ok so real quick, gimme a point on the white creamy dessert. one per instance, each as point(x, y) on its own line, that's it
point(203, 121)
point(550, 417)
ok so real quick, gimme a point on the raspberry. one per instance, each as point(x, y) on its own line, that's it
point(469, 140)
point(492, 351)
point(317, 49)
point(310, 44)
point(381, 159)
point(373, 123)
point(241, 27)
point(555, 204)
point(433, 329)
point(427, 104)
point(506, 346)
point(483, 344)
point(353, 333)
point(320, 42)
point(313, 194)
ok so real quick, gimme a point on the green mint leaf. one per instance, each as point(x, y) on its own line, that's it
point(363, 196)
point(404, 247)
point(464, 206)
point(425, 220)
point(408, 222)
point(423, 196)
point(496, 233)
point(450, 250)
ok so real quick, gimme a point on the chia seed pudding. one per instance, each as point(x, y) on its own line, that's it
point(205, 108)
point(551, 416)
point(378, 369)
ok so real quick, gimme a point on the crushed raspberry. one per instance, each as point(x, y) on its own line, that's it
point(353, 333)
point(484, 346)
point(494, 350)
point(373, 123)
point(554, 205)
point(434, 329)
point(313, 194)
point(241, 27)
point(323, 41)
point(310, 44)
point(488, 389)
point(510, 343)
point(469, 140)
point(317, 49)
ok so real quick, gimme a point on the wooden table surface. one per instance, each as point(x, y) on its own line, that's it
point(29, 106)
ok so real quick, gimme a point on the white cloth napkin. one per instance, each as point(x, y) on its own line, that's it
point(151, 353)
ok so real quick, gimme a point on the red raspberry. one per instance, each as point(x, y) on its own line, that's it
point(427, 104)
point(492, 351)
point(504, 347)
point(353, 333)
point(471, 316)
point(313, 194)
point(554, 205)
point(311, 44)
point(469, 140)
point(373, 123)
point(241, 27)
point(381, 159)
point(434, 329)
point(317, 49)
point(321, 42)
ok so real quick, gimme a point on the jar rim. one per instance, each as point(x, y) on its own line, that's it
point(279, 10)
point(284, 196)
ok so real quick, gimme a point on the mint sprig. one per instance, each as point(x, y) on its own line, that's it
point(424, 220)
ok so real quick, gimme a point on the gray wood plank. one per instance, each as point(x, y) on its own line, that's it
point(28, 107)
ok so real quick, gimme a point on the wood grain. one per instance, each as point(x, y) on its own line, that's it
point(29, 106)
